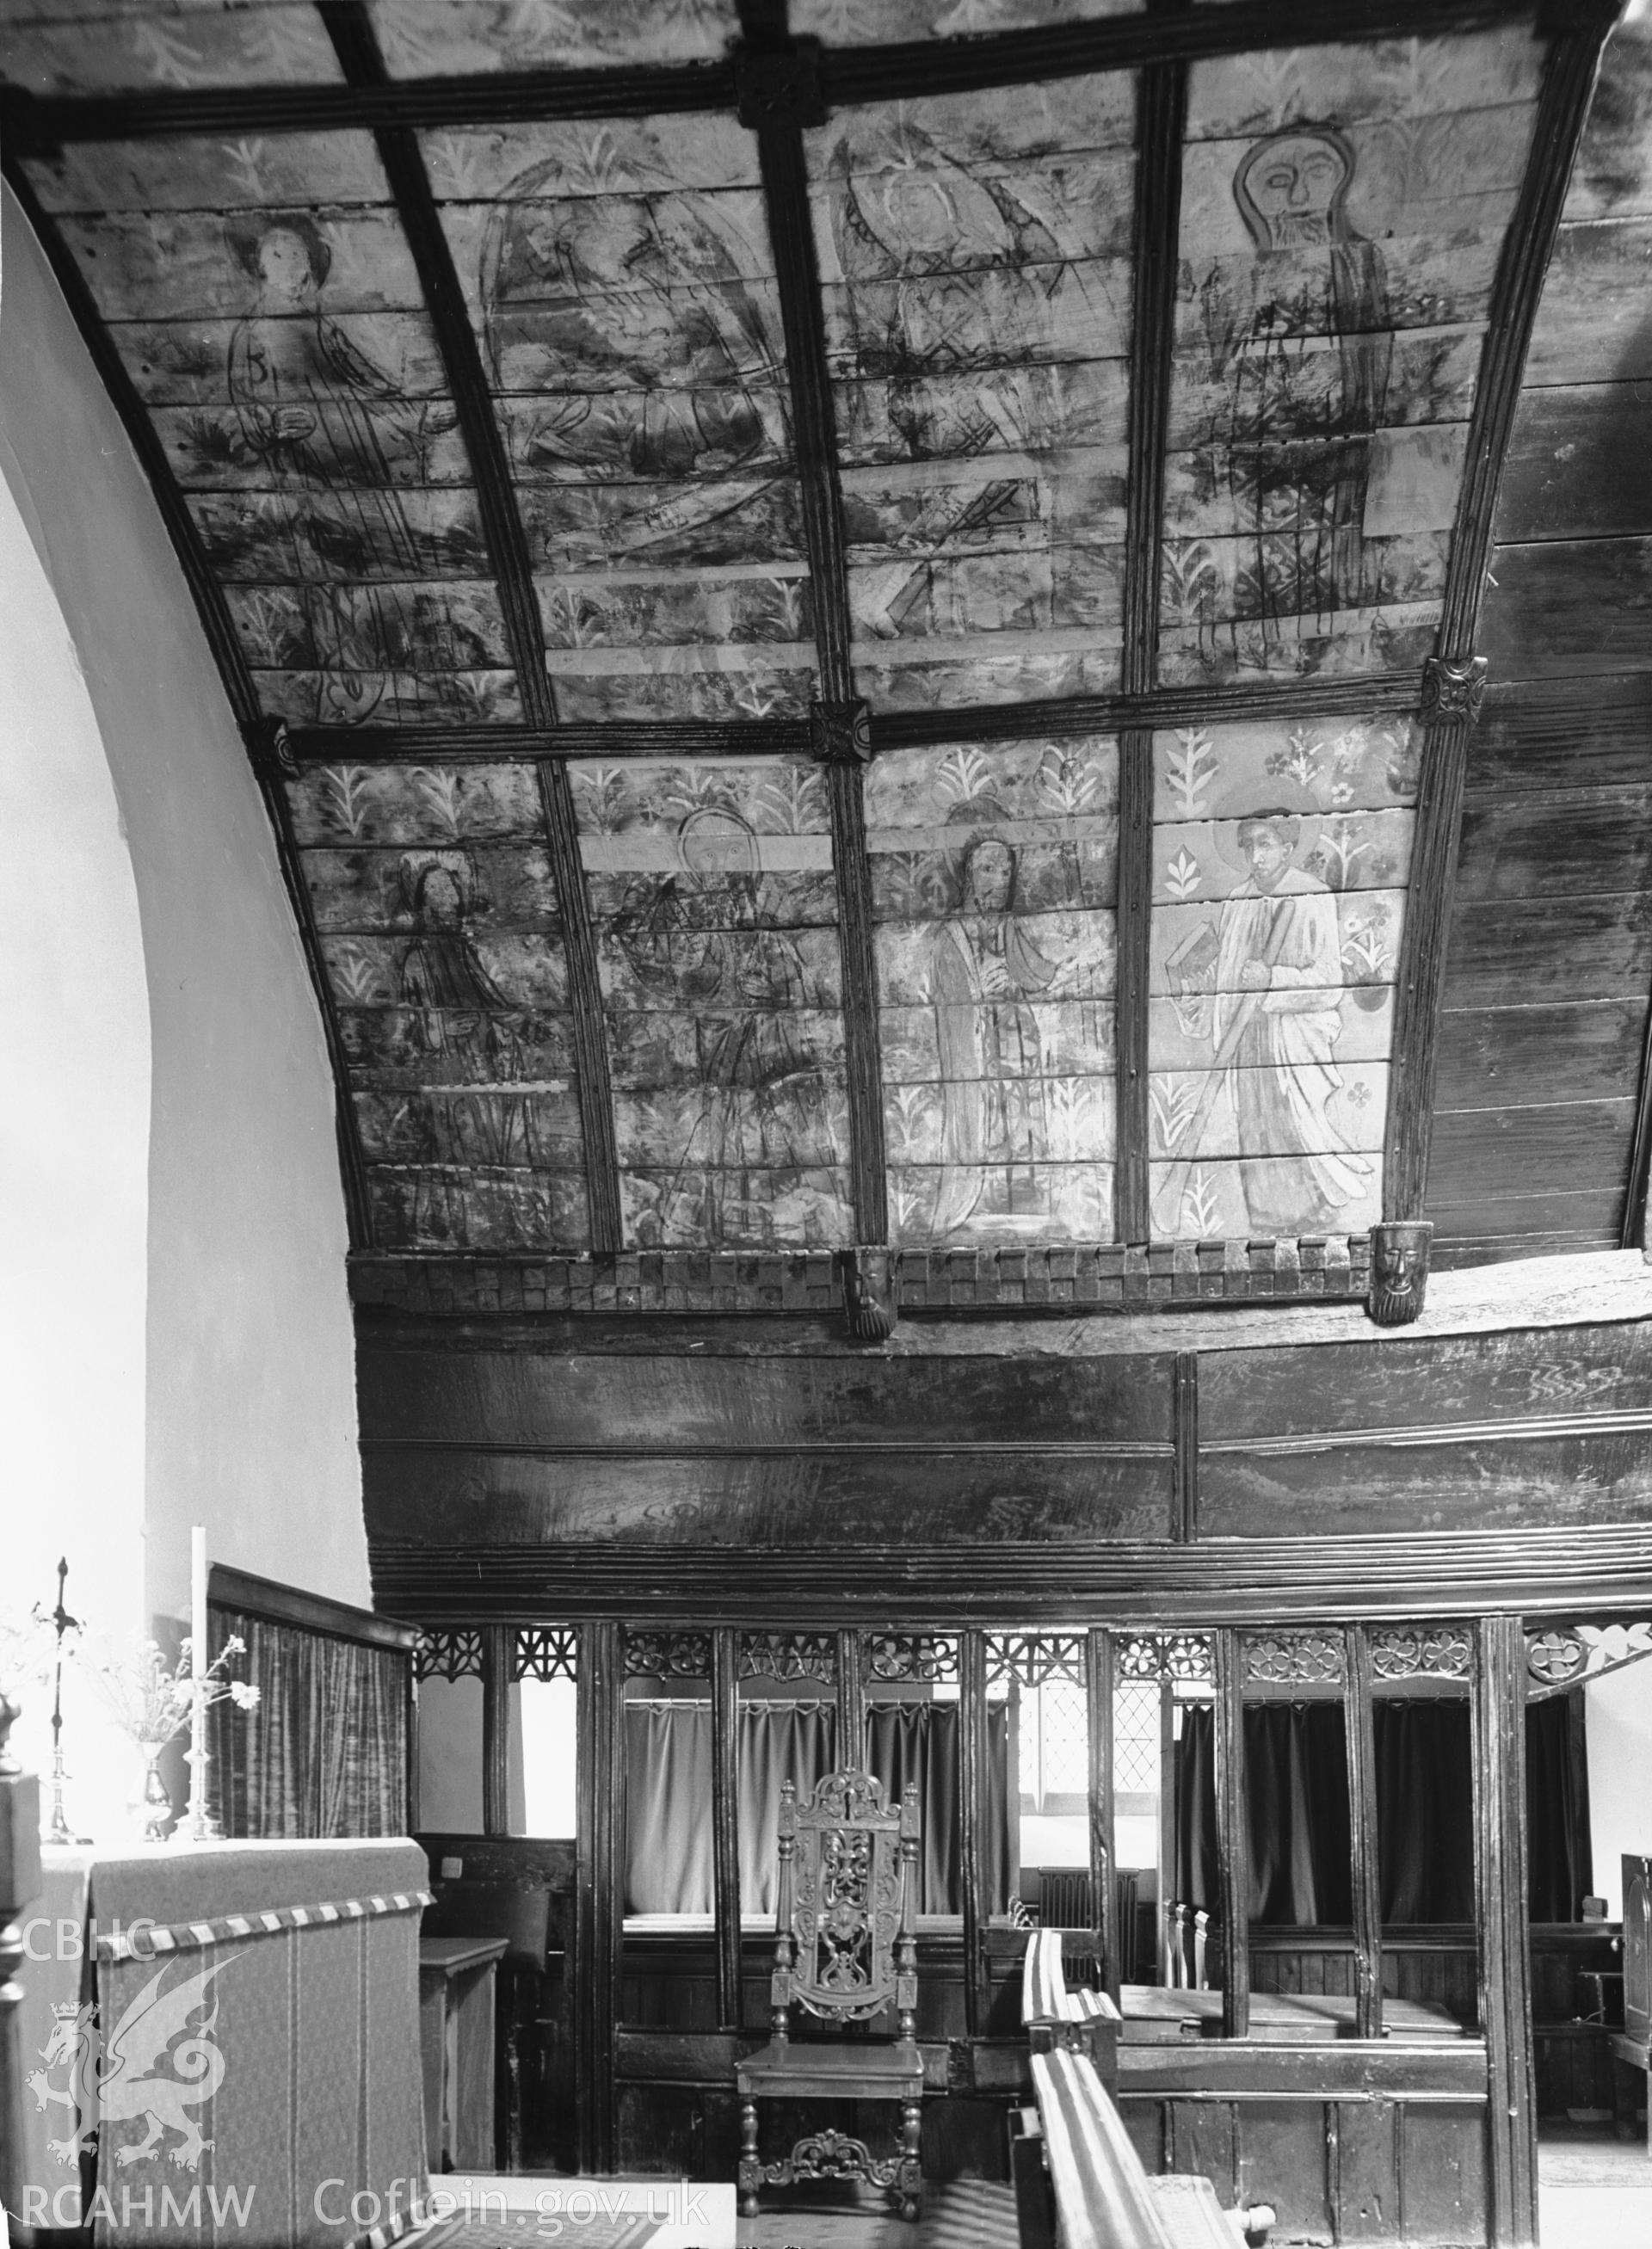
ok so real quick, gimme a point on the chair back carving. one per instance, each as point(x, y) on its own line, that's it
point(843, 1943)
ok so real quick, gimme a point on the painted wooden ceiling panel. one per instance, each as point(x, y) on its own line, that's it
point(441, 930)
point(96, 49)
point(1343, 213)
point(290, 370)
point(632, 334)
point(1281, 857)
point(714, 903)
point(995, 878)
point(860, 23)
point(419, 40)
point(975, 257)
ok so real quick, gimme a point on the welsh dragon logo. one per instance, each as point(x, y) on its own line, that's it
point(118, 2080)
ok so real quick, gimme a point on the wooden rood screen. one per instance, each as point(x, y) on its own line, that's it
point(665, 2013)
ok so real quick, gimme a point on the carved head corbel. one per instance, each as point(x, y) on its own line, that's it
point(871, 1283)
point(1399, 1270)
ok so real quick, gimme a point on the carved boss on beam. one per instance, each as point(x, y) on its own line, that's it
point(1399, 1270)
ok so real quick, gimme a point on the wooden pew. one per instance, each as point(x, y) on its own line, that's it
point(1083, 2022)
point(1101, 2197)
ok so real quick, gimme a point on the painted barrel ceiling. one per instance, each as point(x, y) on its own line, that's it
point(835, 617)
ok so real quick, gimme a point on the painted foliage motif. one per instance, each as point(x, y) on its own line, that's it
point(993, 876)
point(440, 926)
point(1280, 859)
point(1342, 215)
point(712, 893)
point(976, 295)
point(621, 287)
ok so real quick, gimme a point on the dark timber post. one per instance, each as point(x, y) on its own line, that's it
point(1103, 1886)
point(1233, 1835)
point(600, 1871)
point(412, 1723)
point(852, 1702)
point(1362, 1824)
point(972, 1807)
point(498, 1648)
point(1167, 1876)
point(1500, 1897)
point(726, 1821)
point(1161, 109)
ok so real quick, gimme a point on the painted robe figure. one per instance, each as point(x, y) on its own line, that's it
point(1306, 507)
point(699, 942)
point(1278, 969)
point(983, 969)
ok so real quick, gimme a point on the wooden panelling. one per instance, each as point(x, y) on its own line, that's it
point(1590, 842)
point(1442, 2172)
point(780, 1500)
point(1579, 464)
point(677, 1402)
point(1591, 324)
point(1570, 606)
point(1580, 1051)
point(1557, 948)
point(1530, 1152)
point(1424, 1382)
point(1551, 734)
point(1418, 1487)
point(1534, 1226)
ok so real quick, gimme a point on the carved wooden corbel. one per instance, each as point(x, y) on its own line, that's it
point(840, 733)
point(1399, 1270)
point(1453, 690)
point(871, 1283)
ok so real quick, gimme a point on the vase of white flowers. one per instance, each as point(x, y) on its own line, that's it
point(152, 1700)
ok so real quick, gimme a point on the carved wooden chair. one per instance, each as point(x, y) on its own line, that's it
point(843, 1948)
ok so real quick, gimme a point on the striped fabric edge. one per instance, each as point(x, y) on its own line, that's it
point(393, 2229)
point(142, 1942)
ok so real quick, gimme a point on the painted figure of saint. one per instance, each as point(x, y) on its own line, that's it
point(985, 968)
point(1307, 507)
point(699, 939)
point(460, 1019)
point(1274, 1029)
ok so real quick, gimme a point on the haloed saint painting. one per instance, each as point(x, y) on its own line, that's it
point(1280, 859)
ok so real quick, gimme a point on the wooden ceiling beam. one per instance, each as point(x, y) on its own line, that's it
point(355, 42)
point(261, 736)
point(1161, 117)
point(1264, 1581)
point(1058, 719)
point(779, 94)
point(1454, 679)
point(892, 72)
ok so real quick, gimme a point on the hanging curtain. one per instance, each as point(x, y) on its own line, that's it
point(668, 1796)
point(1425, 1811)
point(1296, 1794)
point(1296, 1798)
point(1559, 1862)
point(324, 1750)
point(918, 1741)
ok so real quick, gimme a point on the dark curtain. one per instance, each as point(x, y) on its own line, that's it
point(668, 1796)
point(1559, 1862)
point(324, 1750)
point(1425, 1811)
point(1297, 1795)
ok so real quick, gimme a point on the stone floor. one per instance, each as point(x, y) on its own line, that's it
point(1593, 2192)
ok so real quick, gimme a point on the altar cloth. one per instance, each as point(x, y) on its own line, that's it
point(257, 2005)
